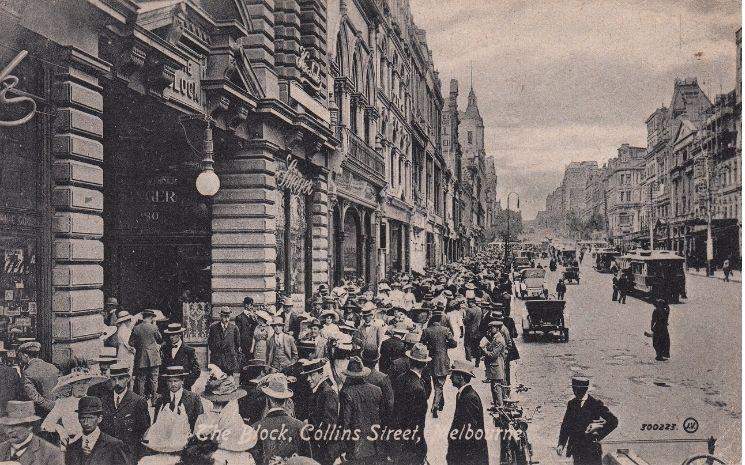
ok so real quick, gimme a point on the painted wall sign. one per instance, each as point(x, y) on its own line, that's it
point(9, 82)
point(292, 179)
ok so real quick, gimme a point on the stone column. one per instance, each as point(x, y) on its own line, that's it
point(320, 231)
point(244, 223)
point(77, 202)
point(372, 248)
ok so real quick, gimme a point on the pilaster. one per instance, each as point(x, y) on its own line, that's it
point(320, 231)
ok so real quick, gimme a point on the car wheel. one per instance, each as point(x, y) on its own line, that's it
point(566, 335)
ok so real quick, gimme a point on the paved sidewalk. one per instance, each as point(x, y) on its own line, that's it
point(735, 276)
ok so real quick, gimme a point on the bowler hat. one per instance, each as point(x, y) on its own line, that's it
point(419, 353)
point(580, 381)
point(19, 412)
point(174, 328)
point(89, 405)
point(355, 368)
point(460, 366)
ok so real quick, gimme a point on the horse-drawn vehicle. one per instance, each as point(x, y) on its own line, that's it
point(545, 317)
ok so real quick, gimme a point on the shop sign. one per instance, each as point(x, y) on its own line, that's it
point(186, 87)
point(292, 179)
point(9, 82)
point(19, 219)
point(356, 187)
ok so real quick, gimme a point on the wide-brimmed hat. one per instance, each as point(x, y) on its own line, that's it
point(122, 316)
point(329, 312)
point(470, 286)
point(356, 369)
point(222, 390)
point(460, 366)
point(78, 375)
point(384, 287)
point(274, 385)
point(264, 315)
point(88, 405)
point(412, 338)
point(174, 328)
point(580, 381)
point(419, 353)
point(174, 371)
point(19, 412)
point(170, 433)
point(255, 363)
point(107, 355)
point(370, 355)
point(312, 366)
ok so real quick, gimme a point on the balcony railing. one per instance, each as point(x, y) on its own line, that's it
point(359, 151)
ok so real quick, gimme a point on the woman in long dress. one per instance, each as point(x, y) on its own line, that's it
point(125, 353)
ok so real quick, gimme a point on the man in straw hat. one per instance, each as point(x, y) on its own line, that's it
point(438, 338)
point(146, 340)
point(466, 439)
point(282, 351)
point(125, 414)
point(106, 358)
point(361, 407)
point(22, 445)
point(369, 335)
point(95, 447)
point(175, 352)
point(323, 410)
point(271, 442)
point(38, 377)
point(494, 348)
point(178, 399)
point(410, 407)
point(224, 342)
point(586, 422)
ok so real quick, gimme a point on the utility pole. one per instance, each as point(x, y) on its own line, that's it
point(651, 217)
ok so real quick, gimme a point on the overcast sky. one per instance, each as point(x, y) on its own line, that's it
point(561, 80)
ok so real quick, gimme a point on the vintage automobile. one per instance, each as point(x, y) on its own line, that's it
point(655, 273)
point(571, 273)
point(604, 259)
point(545, 317)
point(532, 284)
point(566, 256)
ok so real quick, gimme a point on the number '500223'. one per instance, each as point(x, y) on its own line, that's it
point(659, 426)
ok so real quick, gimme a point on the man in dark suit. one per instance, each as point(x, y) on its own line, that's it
point(106, 358)
point(403, 364)
point(246, 322)
point(410, 408)
point(438, 339)
point(466, 438)
point(95, 447)
point(251, 406)
point(471, 327)
point(376, 378)
point(22, 445)
point(178, 398)
point(361, 407)
point(291, 319)
point(282, 434)
point(146, 340)
point(224, 342)
point(175, 352)
point(586, 422)
point(125, 414)
point(323, 410)
point(391, 349)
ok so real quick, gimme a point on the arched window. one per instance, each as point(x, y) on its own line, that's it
point(355, 73)
point(340, 54)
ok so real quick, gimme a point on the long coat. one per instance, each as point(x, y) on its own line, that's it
point(37, 381)
point(38, 452)
point(251, 406)
point(146, 340)
point(186, 357)
point(191, 402)
point(10, 386)
point(402, 365)
point(224, 346)
point(246, 325)
point(323, 412)
point(106, 451)
point(579, 445)
point(391, 349)
point(410, 413)
point(381, 380)
point(128, 422)
point(360, 407)
point(439, 339)
point(472, 322)
point(283, 445)
point(468, 416)
point(495, 353)
point(282, 354)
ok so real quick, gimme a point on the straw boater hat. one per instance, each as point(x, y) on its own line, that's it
point(174, 328)
point(174, 371)
point(312, 366)
point(580, 381)
point(274, 385)
point(169, 434)
point(355, 368)
point(78, 375)
point(118, 370)
point(122, 316)
point(419, 353)
point(19, 412)
point(220, 387)
point(460, 366)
